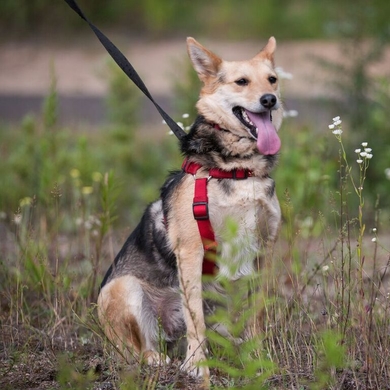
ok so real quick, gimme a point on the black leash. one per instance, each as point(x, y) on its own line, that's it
point(125, 65)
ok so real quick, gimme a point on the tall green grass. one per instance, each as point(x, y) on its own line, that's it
point(68, 201)
point(326, 305)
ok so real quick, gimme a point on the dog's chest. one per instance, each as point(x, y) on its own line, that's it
point(250, 210)
point(245, 201)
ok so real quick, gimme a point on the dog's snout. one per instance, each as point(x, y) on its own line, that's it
point(268, 100)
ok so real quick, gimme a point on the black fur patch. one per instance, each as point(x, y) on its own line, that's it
point(167, 189)
point(271, 189)
point(201, 139)
point(226, 185)
point(146, 255)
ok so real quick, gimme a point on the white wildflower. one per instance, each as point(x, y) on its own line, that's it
point(359, 161)
point(180, 124)
point(325, 269)
point(363, 154)
point(185, 116)
point(336, 126)
point(283, 74)
point(18, 219)
point(358, 150)
point(368, 150)
point(373, 239)
point(369, 156)
point(337, 132)
point(364, 144)
point(290, 114)
point(374, 230)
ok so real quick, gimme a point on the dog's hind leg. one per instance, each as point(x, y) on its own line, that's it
point(121, 313)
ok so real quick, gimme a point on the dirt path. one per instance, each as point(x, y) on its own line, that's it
point(80, 66)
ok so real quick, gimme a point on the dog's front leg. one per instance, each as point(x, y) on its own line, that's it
point(190, 275)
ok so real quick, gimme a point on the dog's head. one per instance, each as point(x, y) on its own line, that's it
point(240, 96)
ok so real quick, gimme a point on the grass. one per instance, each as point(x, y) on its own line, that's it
point(327, 306)
point(65, 214)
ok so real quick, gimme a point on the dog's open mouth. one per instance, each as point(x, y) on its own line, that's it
point(260, 127)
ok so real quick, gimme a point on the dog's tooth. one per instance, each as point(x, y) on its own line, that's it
point(246, 117)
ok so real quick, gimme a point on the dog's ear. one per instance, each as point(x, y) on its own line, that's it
point(205, 63)
point(268, 50)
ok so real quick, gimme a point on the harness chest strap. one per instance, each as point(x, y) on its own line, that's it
point(200, 209)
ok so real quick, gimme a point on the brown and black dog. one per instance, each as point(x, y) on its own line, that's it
point(153, 289)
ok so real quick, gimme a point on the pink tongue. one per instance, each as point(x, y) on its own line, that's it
point(268, 141)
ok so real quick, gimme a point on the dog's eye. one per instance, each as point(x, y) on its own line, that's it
point(242, 82)
point(272, 79)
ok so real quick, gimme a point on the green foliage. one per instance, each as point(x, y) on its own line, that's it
point(39, 156)
point(289, 20)
point(377, 130)
point(52, 267)
point(364, 97)
point(186, 88)
point(71, 376)
point(306, 177)
point(234, 335)
point(331, 355)
point(239, 358)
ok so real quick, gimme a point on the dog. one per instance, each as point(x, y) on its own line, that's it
point(153, 289)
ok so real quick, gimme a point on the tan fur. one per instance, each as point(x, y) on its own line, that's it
point(120, 326)
point(210, 105)
point(189, 253)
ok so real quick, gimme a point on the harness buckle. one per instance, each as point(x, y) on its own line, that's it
point(200, 210)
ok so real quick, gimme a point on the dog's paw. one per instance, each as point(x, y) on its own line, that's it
point(194, 365)
point(153, 358)
point(197, 371)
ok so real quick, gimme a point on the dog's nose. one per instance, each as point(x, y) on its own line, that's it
point(268, 100)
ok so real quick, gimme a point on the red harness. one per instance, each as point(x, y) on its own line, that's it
point(200, 207)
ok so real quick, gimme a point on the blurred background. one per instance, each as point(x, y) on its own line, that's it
point(68, 115)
